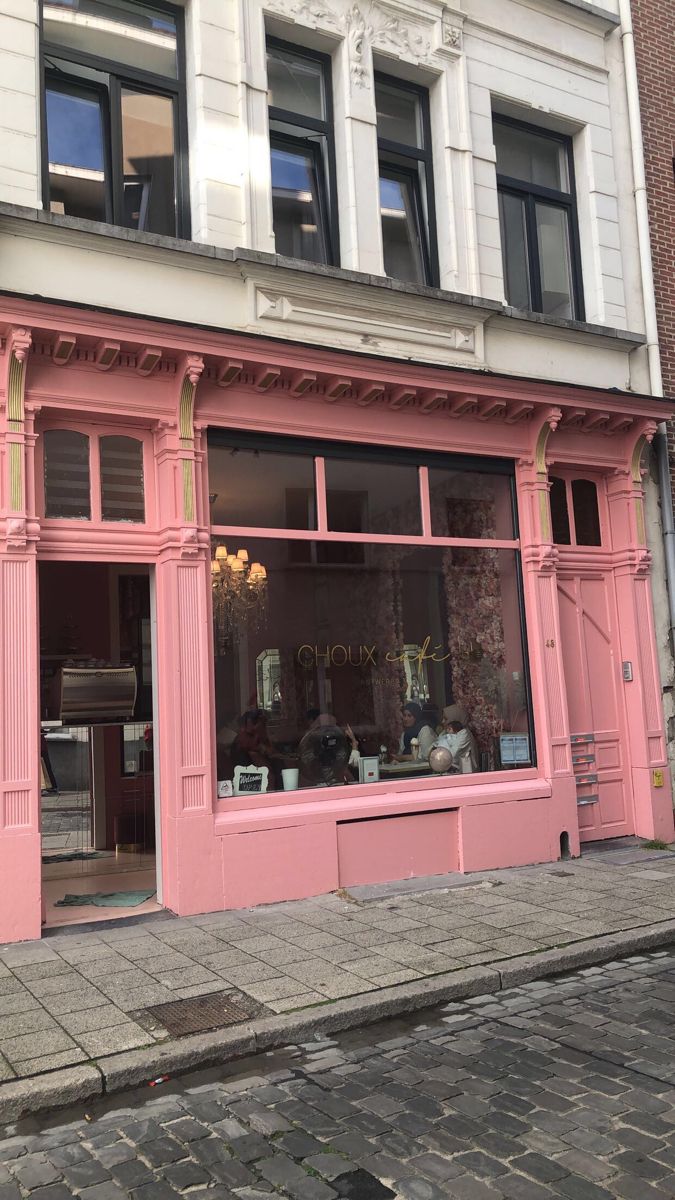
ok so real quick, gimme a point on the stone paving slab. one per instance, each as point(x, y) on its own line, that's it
point(79, 997)
point(556, 1090)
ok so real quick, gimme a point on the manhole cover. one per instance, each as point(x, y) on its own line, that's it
point(201, 1013)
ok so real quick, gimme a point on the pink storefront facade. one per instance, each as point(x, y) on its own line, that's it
point(591, 715)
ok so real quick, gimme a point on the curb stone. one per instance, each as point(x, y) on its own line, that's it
point(117, 1072)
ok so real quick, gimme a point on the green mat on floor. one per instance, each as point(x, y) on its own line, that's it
point(73, 855)
point(107, 899)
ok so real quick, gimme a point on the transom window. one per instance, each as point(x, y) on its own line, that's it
point(367, 613)
point(406, 181)
point(99, 477)
point(114, 148)
point(537, 210)
point(304, 202)
point(575, 512)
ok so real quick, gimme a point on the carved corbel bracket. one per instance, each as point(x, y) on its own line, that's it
point(549, 422)
point(641, 436)
point(16, 357)
point(189, 374)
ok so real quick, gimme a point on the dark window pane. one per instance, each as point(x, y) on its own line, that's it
point(532, 157)
point(66, 468)
point(371, 497)
point(401, 231)
point(554, 260)
point(586, 513)
point(274, 491)
point(297, 204)
point(308, 648)
point(560, 518)
point(470, 504)
point(148, 158)
point(122, 491)
point(295, 84)
point(398, 115)
point(75, 146)
point(515, 256)
point(136, 35)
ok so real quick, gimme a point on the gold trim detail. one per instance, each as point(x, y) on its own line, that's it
point(15, 476)
point(15, 387)
point(188, 491)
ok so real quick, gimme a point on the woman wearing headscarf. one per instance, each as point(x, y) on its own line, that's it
point(458, 739)
point(415, 729)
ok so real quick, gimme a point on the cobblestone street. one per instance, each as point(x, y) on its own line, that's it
point(562, 1088)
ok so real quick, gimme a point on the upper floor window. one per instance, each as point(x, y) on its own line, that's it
point(114, 148)
point(304, 206)
point(537, 210)
point(406, 181)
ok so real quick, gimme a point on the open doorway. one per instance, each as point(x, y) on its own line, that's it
point(97, 742)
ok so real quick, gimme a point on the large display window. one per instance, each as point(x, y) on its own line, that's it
point(372, 628)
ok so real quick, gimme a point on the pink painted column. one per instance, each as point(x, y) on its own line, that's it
point(540, 560)
point(191, 853)
point(646, 748)
point(20, 854)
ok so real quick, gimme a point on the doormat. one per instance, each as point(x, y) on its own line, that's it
point(106, 899)
point(76, 855)
point(202, 1013)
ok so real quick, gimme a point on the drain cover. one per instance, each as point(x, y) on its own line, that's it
point(201, 1013)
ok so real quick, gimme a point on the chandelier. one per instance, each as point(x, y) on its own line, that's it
point(239, 596)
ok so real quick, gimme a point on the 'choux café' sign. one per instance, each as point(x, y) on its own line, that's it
point(340, 655)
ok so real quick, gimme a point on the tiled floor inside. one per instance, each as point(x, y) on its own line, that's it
point(66, 831)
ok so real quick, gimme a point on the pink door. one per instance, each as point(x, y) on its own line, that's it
point(595, 702)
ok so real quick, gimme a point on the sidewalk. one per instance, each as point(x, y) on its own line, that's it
point(74, 1007)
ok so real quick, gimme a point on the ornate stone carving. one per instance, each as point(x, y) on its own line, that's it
point(365, 26)
point(451, 34)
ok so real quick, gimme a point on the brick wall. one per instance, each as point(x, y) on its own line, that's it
point(654, 22)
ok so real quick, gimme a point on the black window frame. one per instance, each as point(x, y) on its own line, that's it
point(530, 194)
point(325, 162)
point(120, 76)
point(420, 171)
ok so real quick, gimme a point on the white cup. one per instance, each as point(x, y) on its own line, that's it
point(290, 777)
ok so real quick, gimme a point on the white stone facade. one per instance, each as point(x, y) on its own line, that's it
point(553, 62)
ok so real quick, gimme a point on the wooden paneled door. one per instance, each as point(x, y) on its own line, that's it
point(593, 676)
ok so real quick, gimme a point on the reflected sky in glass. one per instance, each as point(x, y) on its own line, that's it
point(74, 131)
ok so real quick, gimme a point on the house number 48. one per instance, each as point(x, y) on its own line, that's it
point(550, 643)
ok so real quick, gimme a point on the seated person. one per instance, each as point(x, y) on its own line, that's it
point(414, 727)
point(458, 739)
point(324, 754)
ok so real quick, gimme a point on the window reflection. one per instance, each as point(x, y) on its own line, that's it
point(135, 34)
point(75, 147)
point(297, 203)
point(388, 659)
point(470, 504)
point(148, 162)
point(402, 238)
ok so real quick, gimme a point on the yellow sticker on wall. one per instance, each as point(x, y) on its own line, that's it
point(657, 777)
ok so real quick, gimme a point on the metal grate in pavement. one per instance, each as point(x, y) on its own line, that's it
point(202, 1013)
